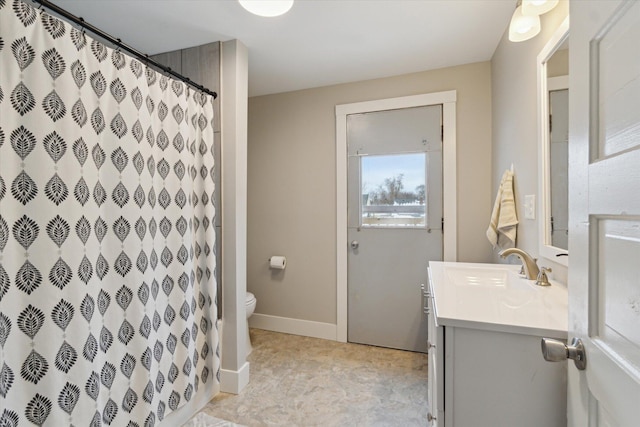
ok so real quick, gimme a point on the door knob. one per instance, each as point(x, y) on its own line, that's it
point(355, 244)
point(557, 351)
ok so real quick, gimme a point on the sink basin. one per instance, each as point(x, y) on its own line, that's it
point(501, 282)
point(497, 296)
point(478, 276)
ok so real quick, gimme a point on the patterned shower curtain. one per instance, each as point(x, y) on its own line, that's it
point(107, 257)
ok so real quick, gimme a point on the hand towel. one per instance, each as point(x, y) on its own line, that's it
point(504, 219)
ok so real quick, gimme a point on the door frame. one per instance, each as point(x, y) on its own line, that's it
point(448, 101)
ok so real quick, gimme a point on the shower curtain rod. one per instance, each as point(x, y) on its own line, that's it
point(123, 46)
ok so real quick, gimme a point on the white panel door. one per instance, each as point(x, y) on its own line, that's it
point(604, 242)
point(394, 222)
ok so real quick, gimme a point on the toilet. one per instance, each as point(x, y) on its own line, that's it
point(250, 305)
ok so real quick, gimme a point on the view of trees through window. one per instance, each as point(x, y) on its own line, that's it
point(393, 190)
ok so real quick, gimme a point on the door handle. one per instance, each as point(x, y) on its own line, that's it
point(557, 351)
point(355, 244)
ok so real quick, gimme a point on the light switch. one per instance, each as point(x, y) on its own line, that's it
point(530, 206)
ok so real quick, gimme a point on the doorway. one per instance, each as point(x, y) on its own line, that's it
point(447, 103)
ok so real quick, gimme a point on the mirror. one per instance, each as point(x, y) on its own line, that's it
point(553, 137)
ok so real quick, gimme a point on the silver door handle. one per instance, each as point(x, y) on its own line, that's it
point(355, 244)
point(557, 351)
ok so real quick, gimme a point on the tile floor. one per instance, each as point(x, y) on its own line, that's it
point(204, 420)
point(301, 381)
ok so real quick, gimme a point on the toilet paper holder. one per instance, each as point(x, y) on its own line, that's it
point(277, 262)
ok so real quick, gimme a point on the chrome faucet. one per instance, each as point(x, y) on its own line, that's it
point(528, 262)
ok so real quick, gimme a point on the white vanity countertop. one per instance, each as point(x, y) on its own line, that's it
point(494, 297)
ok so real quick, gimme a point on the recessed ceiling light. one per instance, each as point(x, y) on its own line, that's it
point(267, 7)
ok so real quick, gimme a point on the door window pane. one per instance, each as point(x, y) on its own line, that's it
point(393, 190)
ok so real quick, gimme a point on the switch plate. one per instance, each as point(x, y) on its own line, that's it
point(530, 206)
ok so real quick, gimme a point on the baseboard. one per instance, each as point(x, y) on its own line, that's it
point(288, 325)
point(234, 381)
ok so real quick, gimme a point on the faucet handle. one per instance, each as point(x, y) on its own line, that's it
point(542, 279)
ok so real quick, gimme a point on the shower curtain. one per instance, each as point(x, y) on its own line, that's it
point(107, 257)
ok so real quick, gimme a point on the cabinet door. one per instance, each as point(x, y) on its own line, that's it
point(432, 379)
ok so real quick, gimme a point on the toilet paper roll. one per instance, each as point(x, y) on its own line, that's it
point(277, 262)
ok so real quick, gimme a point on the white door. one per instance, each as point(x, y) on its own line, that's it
point(604, 243)
point(394, 222)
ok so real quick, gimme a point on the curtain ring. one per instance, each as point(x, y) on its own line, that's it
point(83, 29)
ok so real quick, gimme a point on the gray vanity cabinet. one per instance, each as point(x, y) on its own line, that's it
point(480, 375)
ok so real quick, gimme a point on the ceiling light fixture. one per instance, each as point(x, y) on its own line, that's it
point(523, 27)
point(538, 7)
point(525, 22)
point(267, 8)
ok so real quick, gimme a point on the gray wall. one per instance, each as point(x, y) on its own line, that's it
point(515, 122)
point(558, 64)
point(292, 183)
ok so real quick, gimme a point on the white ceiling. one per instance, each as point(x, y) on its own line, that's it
point(319, 42)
